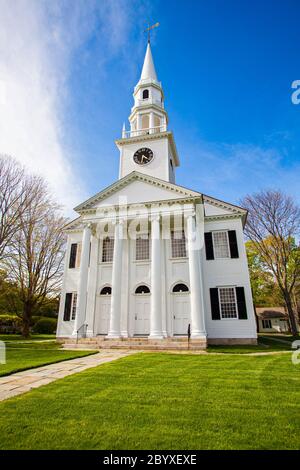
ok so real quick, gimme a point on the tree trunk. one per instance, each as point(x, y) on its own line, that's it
point(26, 317)
point(289, 306)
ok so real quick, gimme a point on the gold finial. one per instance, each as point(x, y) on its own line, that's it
point(147, 30)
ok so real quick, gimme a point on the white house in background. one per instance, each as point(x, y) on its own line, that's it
point(146, 257)
point(272, 320)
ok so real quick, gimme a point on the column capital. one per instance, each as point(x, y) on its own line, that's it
point(118, 221)
point(189, 213)
point(90, 226)
point(155, 217)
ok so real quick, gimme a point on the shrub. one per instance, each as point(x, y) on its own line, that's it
point(45, 326)
point(10, 324)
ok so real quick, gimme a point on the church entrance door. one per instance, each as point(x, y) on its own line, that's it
point(142, 311)
point(103, 311)
point(181, 313)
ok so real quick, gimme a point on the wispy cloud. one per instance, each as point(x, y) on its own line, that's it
point(229, 171)
point(38, 40)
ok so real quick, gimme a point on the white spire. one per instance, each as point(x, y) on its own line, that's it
point(148, 67)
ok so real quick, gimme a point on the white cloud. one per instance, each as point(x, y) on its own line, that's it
point(38, 39)
point(231, 171)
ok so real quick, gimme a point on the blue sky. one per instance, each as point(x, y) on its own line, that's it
point(226, 67)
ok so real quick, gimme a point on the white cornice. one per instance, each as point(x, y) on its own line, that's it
point(147, 137)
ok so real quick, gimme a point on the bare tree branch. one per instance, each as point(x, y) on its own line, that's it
point(273, 224)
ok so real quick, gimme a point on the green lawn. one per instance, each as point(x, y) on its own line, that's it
point(35, 337)
point(265, 344)
point(162, 401)
point(26, 355)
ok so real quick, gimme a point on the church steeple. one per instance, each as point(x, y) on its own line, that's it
point(148, 146)
point(148, 70)
point(148, 114)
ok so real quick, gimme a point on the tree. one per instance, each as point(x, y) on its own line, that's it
point(35, 260)
point(263, 284)
point(272, 225)
point(16, 193)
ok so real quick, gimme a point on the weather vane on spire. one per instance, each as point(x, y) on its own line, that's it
point(147, 30)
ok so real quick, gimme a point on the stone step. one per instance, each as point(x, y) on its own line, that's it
point(142, 343)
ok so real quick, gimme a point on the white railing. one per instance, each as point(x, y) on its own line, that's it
point(150, 130)
point(148, 101)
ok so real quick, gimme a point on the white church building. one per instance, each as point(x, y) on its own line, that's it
point(149, 259)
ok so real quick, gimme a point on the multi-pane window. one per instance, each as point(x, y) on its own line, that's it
point(75, 254)
point(178, 244)
point(221, 245)
point(108, 250)
point(267, 324)
point(228, 303)
point(142, 248)
point(70, 306)
point(74, 306)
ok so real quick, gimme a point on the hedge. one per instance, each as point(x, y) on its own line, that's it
point(45, 326)
point(10, 324)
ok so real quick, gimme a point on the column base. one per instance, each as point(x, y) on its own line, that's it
point(199, 335)
point(156, 336)
point(89, 334)
point(113, 335)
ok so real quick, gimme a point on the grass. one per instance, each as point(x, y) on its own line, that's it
point(35, 337)
point(282, 337)
point(162, 401)
point(27, 355)
point(265, 344)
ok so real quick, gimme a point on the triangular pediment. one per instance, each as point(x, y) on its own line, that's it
point(137, 188)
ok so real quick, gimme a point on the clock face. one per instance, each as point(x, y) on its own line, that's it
point(143, 156)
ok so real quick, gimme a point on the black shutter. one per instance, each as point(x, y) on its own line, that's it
point(209, 248)
point(234, 251)
point(214, 302)
point(241, 302)
point(68, 302)
point(73, 252)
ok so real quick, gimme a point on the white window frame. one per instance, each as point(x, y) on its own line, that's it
point(142, 236)
point(269, 323)
point(185, 242)
point(235, 300)
point(102, 250)
point(215, 247)
point(74, 305)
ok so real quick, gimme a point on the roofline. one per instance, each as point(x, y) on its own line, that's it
point(132, 175)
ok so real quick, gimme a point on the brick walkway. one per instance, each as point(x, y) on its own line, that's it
point(25, 381)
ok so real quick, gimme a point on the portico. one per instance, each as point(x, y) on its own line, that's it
point(121, 320)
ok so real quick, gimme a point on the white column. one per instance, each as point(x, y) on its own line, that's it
point(155, 312)
point(83, 279)
point(151, 123)
point(196, 293)
point(92, 286)
point(116, 287)
point(138, 123)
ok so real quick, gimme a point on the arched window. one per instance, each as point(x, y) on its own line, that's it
point(106, 290)
point(180, 288)
point(145, 94)
point(142, 290)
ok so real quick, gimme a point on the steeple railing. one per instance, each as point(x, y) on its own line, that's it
point(148, 101)
point(148, 131)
